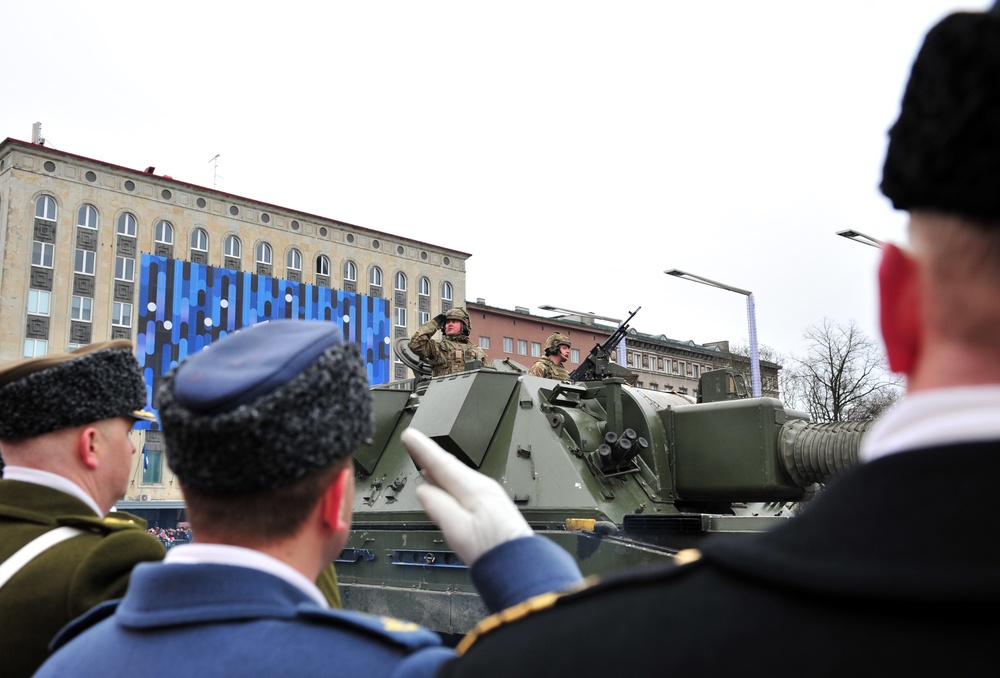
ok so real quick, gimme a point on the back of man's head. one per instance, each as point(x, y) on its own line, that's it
point(265, 413)
point(943, 166)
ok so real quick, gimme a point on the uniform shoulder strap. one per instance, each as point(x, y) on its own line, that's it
point(33, 549)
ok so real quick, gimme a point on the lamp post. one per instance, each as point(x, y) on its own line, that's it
point(858, 236)
point(751, 321)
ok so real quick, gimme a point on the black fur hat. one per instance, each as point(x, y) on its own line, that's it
point(50, 393)
point(944, 150)
point(265, 407)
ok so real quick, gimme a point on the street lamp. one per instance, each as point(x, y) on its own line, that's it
point(751, 321)
point(860, 237)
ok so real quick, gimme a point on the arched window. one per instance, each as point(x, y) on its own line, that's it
point(375, 277)
point(126, 224)
point(164, 232)
point(45, 208)
point(400, 282)
point(233, 247)
point(350, 271)
point(86, 216)
point(264, 253)
point(199, 240)
point(446, 291)
point(424, 287)
point(293, 262)
point(322, 265)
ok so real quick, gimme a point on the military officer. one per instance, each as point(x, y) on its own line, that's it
point(64, 436)
point(875, 577)
point(450, 354)
point(260, 431)
point(552, 364)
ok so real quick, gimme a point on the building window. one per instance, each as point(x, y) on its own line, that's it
point(350, 272)
point(400, 282)
point(264, 254)
point(164, 233)
point(86, 216)
point(126, 224)
point(199, 240)
point(522, 347)
point(400, 316)
point(125, 269)
point(681, 368)
point(574, 356)
point(38, 302)
point(536, 349)
point(121, 315)
point(322, 265)
point(446, 291)
point(45, 208)
point(34, 348)
point(694, 370)
point(294, 260)
point(234, 248)
point(41, 254)
point(82, 309)
point(85, 262)
point(508, 345)
point(484, 343)
point(424, 316)
point(375, 277)
point(152, 467)
point(424, 287)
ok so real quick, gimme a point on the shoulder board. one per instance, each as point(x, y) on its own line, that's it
point(115, 522)
point(395, 631)
point(591, 586)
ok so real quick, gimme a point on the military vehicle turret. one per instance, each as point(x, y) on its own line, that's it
point(619, 476)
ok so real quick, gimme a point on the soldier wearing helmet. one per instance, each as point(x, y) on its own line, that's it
point(450, 354)
point(551, 366)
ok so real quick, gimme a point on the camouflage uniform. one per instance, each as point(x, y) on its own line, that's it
point(448, 355)
point(544, 367)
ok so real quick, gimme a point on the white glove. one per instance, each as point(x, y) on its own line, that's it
point(473, 511)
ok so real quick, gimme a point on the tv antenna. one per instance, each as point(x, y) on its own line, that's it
point(215, 169)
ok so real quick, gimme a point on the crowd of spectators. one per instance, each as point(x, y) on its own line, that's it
point(171, 536)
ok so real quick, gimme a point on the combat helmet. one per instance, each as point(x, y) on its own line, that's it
point(459, 314)
point(554, 341)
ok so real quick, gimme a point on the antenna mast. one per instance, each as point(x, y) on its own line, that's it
point(215, 169)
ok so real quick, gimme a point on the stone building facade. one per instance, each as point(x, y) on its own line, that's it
point(89, 251)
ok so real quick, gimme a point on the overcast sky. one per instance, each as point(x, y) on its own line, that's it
point(575, 149)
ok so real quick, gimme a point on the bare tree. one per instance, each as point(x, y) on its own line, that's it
point(842, 377)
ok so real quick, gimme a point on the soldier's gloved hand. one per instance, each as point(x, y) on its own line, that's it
point(473, 511)
point(440, 319)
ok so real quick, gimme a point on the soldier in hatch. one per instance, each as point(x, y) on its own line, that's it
point(552, 365)
point(448, 355)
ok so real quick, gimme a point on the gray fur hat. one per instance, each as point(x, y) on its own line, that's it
point(54, 392)
point(265, 407)
point(944, 150)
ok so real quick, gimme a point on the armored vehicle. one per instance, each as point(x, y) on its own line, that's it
point(619, 476)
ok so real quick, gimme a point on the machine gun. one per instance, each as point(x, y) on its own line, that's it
point(598, 365)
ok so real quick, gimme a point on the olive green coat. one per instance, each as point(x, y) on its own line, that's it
point(67, 579)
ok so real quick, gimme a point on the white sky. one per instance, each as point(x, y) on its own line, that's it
point(576, 149)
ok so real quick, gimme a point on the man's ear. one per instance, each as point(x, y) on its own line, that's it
point(899, 310)
point(87, 444)
point(336, 502)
